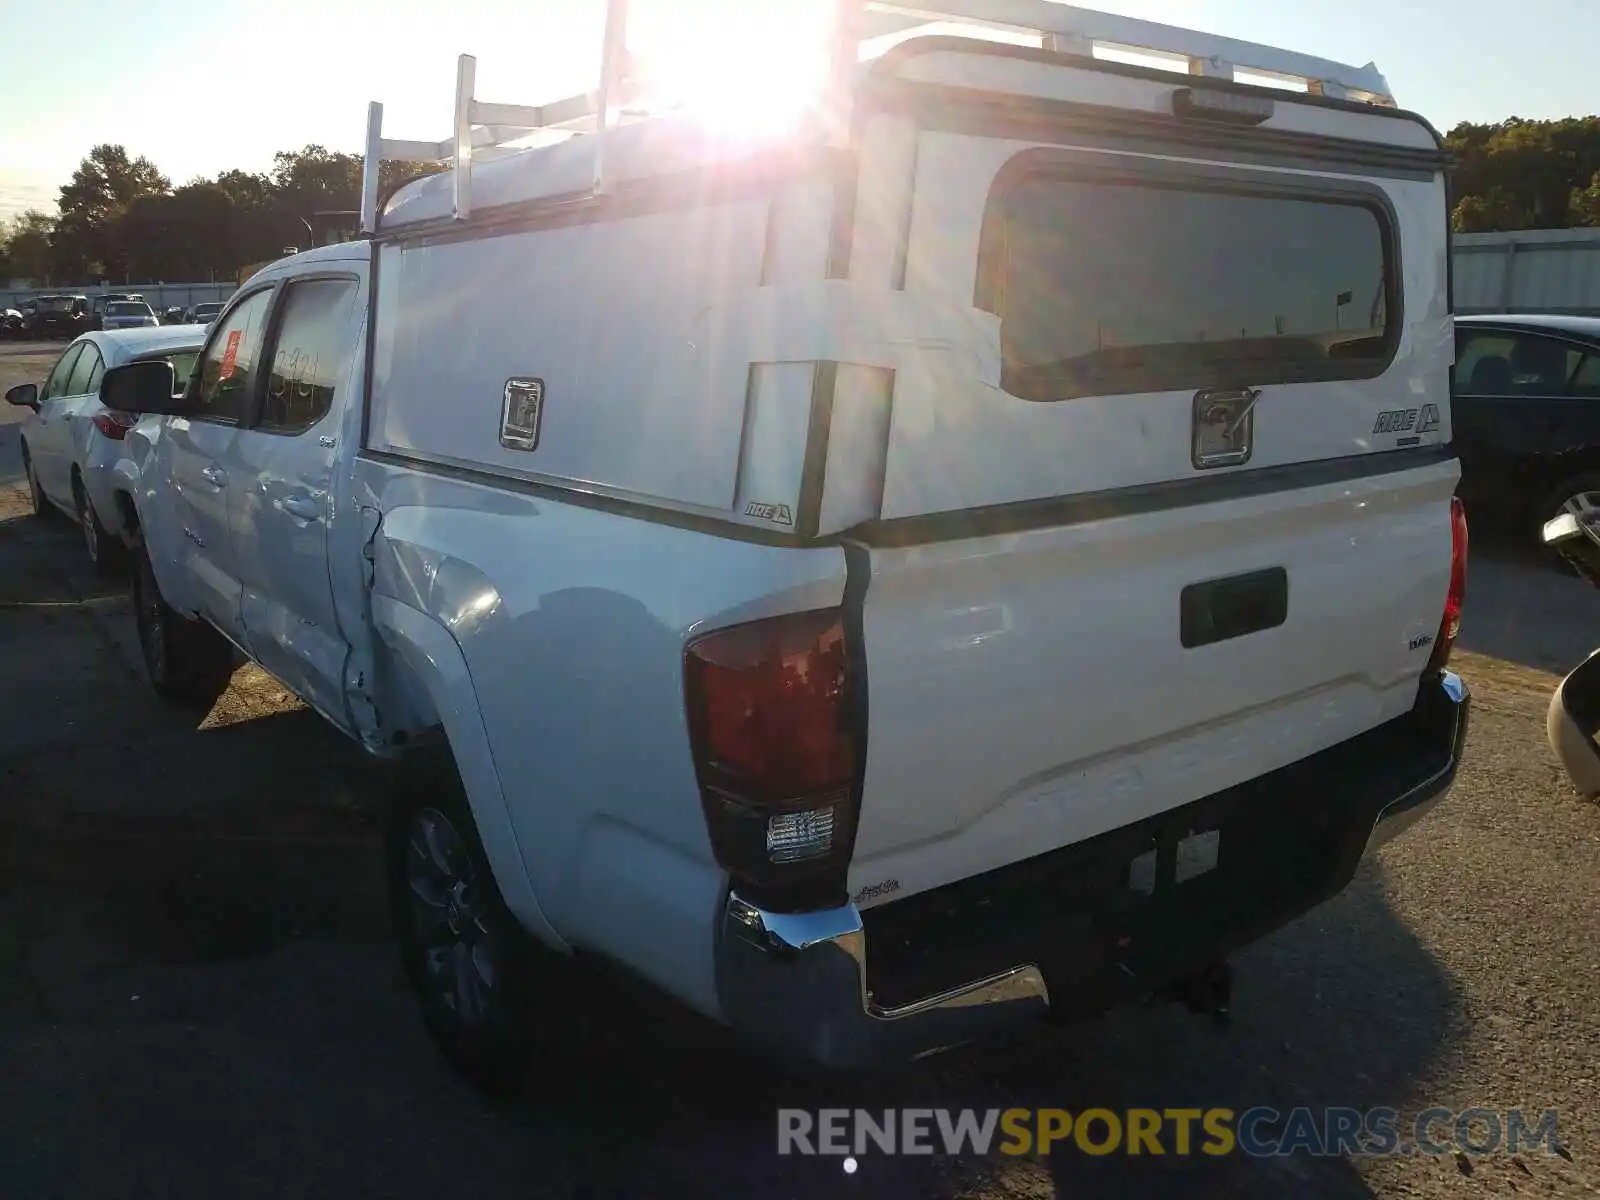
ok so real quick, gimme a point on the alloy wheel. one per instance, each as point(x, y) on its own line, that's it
point(151, 622)
point(451, 917)
point(90, 526)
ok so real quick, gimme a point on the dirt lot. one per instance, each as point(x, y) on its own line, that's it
point(198, 996)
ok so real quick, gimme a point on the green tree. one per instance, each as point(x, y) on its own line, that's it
point(28, 251)
point(1522, 174)
point(1584, 203)
point(317, 180)
point(100, 191)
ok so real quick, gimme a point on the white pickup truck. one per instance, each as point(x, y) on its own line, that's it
point(877, 586)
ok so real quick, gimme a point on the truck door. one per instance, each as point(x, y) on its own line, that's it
point(285, 463)
point(198, 448)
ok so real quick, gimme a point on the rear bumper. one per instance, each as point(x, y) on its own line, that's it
point(1086, 927)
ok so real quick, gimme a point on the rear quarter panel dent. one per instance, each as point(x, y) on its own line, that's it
point(572, 624)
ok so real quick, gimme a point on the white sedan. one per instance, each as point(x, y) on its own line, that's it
point(72, 443)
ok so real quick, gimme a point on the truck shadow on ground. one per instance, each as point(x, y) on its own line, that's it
point(196, 915)
point(1342, 1008)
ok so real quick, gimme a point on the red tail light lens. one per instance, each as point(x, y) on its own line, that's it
point(1450, 624)
point(114, 425)
point(777, 749)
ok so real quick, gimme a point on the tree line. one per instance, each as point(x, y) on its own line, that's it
point(120, 218)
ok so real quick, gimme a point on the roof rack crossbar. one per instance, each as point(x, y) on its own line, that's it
point(482, 129)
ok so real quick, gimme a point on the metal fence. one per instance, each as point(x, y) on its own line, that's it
point(1528, 271)
point(160, 296)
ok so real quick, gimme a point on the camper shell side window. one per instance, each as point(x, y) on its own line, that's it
point(1116, 280)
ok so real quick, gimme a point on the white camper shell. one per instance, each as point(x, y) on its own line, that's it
point(988, 549)
point(802, 335)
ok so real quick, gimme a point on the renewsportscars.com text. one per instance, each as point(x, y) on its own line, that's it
point(1256, 1132)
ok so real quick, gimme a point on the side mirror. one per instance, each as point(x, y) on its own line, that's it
point(142, 387)
point(24, 395)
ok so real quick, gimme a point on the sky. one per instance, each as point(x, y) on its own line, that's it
point(201, 86)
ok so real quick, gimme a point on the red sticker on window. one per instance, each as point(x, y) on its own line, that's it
point(229, 354)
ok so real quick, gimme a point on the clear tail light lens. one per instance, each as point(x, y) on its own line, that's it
point(778, 753)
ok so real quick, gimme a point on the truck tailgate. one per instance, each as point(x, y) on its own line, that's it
point(1032, 688)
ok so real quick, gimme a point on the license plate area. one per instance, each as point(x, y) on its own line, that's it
point(1282, 843)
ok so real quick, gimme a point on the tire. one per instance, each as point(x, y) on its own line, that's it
point(480, 979)
point(105, 552)
point(188, 662)
point(1553, 504)
point(36, 497)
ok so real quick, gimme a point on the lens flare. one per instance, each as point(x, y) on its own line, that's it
point(741, 66)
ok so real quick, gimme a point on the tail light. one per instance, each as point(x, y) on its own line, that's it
point(115, 425)
point(1450, 625)
point(774, 723)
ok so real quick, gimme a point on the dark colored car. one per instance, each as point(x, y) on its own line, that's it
point(13, 326)
point(206, 312)
point(60, 316)
point(1526, 417)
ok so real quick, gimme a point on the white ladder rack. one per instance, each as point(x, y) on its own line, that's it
point(483, 129)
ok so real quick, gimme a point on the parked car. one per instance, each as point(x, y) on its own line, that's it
point(175, 314)
point(128, 314)
point(206, 312)
point(13, 326)
point(1527, 417)
point(72, 444)
point(59, 316)
point(97, 307)
point(857, 604)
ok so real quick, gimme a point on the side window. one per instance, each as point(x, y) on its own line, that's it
point(93, 386)
point(1586, 382)
point(1514, 364)
point(229, 366)
point(310, 354)
point(56, 385)
point(87, 367)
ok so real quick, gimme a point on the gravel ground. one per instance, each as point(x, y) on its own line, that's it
point(198, 996)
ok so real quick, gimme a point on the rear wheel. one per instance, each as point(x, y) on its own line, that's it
point(188, 662)
point(41, 506)
point(105, 552)
point(480, 978)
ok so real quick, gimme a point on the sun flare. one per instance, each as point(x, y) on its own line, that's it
point(744, 66)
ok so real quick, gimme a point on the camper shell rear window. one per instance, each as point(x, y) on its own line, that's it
point(1109, 282)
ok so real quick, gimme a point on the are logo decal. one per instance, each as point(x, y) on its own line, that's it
point(1395, 420)
point(778, 514)
point(1407, 420)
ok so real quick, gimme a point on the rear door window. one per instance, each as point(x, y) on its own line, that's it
point(85, 371)
point(1110, 286)
point(1499, 363)
point(310, 354)
point(1586, 380)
